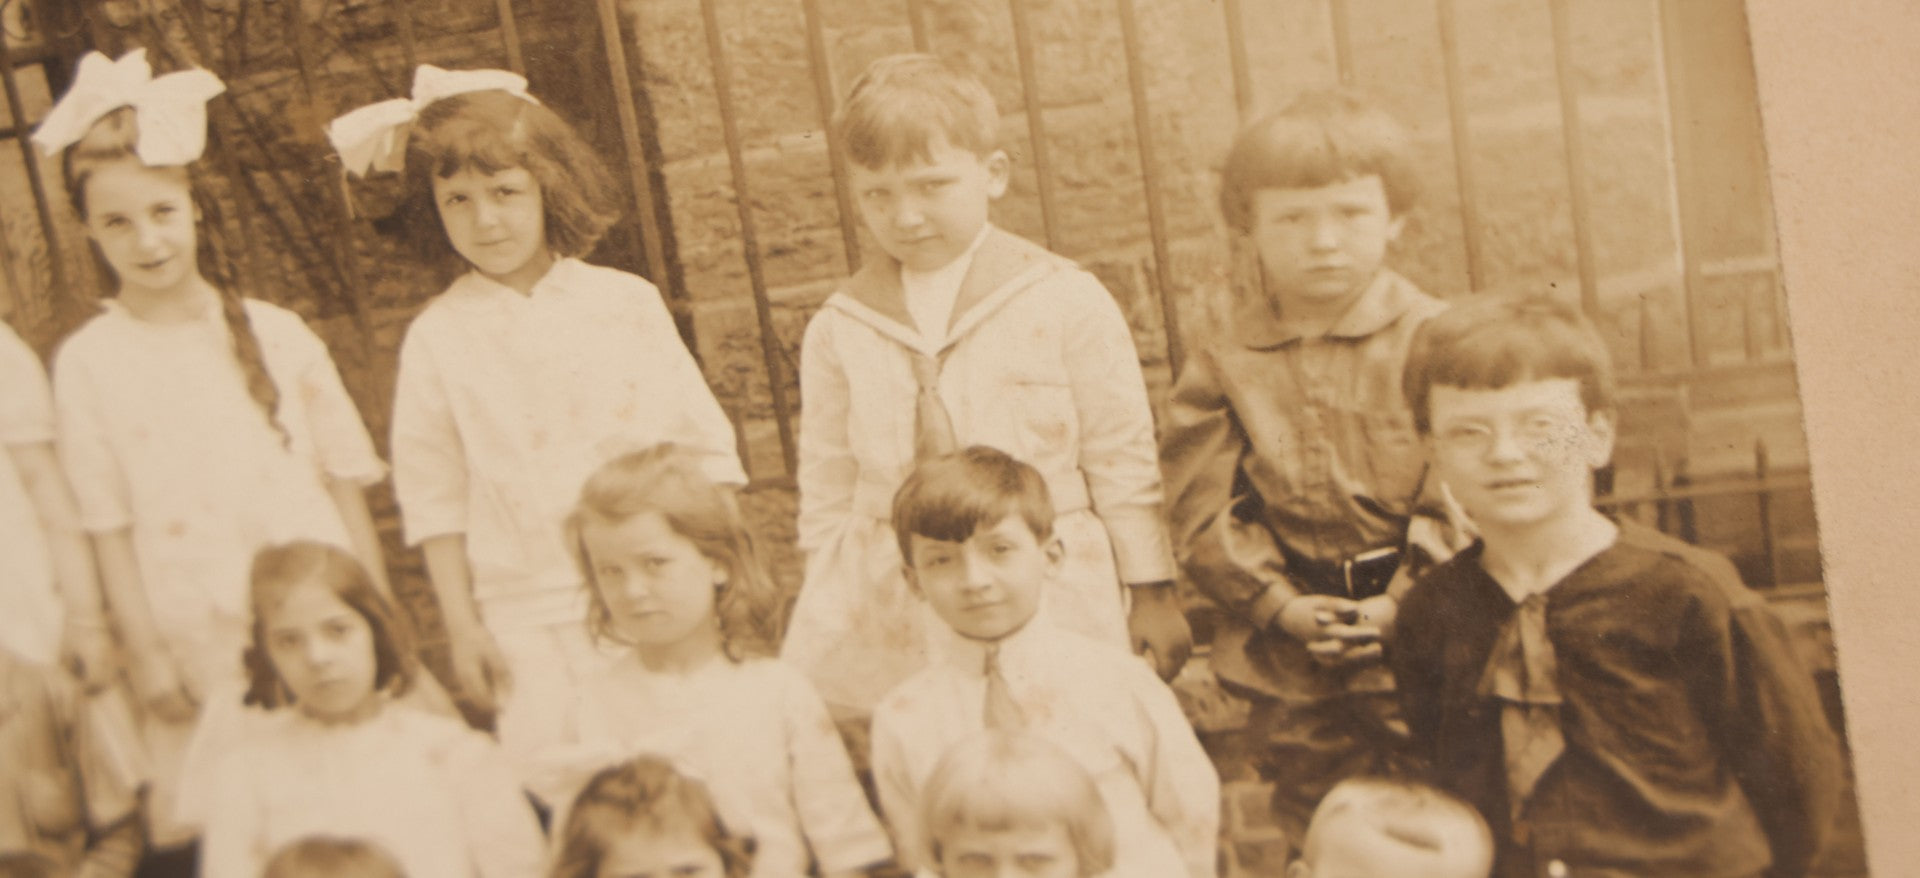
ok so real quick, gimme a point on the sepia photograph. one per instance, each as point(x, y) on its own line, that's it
point(904, 437)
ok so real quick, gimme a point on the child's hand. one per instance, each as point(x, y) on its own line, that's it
point(1158, 628)
point(480, 670)
point(89, 652)
point(1379, 612)
point(162, 689)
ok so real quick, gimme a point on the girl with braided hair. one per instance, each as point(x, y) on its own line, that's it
point(196, 425)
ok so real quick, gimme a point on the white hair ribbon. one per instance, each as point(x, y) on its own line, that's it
point(170, 111)
point(374, 137)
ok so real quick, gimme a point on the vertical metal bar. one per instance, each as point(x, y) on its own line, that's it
point(1237, 56)
point(56, 264)
point(917, 20)
point(346, 254)
point(409, 43)
point(1646, 334)
point(1342, 40)
point(1769, 549)
point(643, 194)
point(1574, 135)
point(823, 94)
point(1036, 128)
point(510, 36)
point(1680, 142)
point(749, 242)
point(1149, 181)
point(1462, 142)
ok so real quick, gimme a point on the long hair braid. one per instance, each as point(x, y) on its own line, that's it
point(114, 139)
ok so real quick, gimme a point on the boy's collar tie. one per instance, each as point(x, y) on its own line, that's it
point(169, 111)
point(374, 137)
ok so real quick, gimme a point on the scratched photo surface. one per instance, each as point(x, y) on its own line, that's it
point(1607, 153)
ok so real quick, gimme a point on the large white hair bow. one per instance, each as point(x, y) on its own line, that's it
point(374, 137)
point(170, 111)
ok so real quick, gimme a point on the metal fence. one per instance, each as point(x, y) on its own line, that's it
point(50, 34)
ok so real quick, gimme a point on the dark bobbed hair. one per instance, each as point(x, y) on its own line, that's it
point(667, 480)
point(1490, 342)
point(319, 856)
point(901, 101)
point(115, 140)
point(644, 794)
point(997, 781)
point(278, 570)
point(492, 131)
point(1320, 139)
point(950, 497)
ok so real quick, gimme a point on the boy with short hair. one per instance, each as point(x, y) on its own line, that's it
point(957, 333)
point(1001, 801)
point(975, 529)
point(1615, 701)
point(1294, 474)
point(1372, 827)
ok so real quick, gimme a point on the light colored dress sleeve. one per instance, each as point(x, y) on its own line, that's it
point(827, 467)
point(899, 802)
point(99, 486)
point(232, 841)
point(1182, 786)
point(26, 408)
point(703, 423)
point(429, 461)
point(502, 835)
point(1117, 451)
point(835, 818)
point(340, 438)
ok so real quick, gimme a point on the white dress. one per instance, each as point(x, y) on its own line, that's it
point(754, 732)
point(505, 403)
point(31, 625)
point(159, 434)
point(437, 795)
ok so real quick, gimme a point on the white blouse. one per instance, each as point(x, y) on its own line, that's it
point(31, 625)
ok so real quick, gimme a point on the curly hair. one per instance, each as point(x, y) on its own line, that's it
point(115, 140)
point(643, 795)
point(667, 480)
point(278, 570)
point(493, 131)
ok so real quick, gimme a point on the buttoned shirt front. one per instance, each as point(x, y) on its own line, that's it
point(1281, 443)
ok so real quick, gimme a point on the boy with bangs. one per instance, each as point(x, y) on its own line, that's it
point(1614, 701)
point(956, 333)
point(1295, 479)
point(975, 530)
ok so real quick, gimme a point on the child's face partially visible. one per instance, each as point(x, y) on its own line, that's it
point(675, 853)
point(143, 220)
point(1520, 455)
point(658, 587)
point(323, 651)
point(1352, 847)
point(926, 213)
point(1322, 246)
point(497, 222)
point(989, 585)
point(1019, 852)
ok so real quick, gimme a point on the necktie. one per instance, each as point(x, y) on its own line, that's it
point(1002, 711)
point(932, 428)
point(1522, 674)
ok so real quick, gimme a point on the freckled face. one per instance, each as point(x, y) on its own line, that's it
point(1521, 454)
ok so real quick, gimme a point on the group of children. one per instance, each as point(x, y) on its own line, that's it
point(991, 527)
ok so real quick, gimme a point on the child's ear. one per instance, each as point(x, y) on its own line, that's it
point(999, 173)
point(1056, 552)
point(1395, 226)
point(913, 582)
